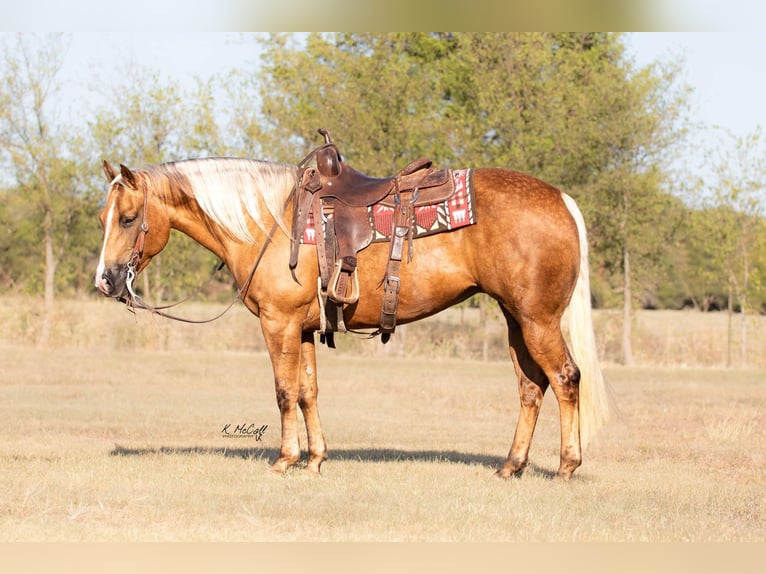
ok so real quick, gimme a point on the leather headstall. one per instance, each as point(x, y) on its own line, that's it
point(138, 248)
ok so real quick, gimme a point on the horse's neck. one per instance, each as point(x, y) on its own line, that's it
point(186, 216)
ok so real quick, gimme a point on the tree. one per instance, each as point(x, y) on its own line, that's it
point(633, 215)
point(374, 94)
point(38, 149)
point(737, 197)
point(567, 108)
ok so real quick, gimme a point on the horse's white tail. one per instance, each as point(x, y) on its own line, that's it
point(594, 403)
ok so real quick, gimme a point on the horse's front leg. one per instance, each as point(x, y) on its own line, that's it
point(308, 391)
point(293, 358)
point(283, 341)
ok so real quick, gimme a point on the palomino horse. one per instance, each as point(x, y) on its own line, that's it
point(528, 251)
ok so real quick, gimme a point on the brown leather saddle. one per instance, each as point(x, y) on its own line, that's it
point(339, 198)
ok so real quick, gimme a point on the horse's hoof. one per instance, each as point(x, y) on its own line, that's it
point(507, 473)
point(280, 467)
point(562, 477)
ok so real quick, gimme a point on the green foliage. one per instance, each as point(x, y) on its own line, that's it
point(569, 108)
point(739, 201)
point(373, 92)
point(46, 209)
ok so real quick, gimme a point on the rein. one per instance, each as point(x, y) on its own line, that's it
point(136, 302)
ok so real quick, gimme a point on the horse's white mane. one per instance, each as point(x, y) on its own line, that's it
point(232, 191)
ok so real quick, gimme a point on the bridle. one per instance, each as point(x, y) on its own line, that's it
point(136, 302)
point(138, 247)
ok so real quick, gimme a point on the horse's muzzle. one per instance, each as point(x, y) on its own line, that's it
point(112, 281)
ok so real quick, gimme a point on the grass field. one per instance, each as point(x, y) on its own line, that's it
point(664, 338)
point(127, 445)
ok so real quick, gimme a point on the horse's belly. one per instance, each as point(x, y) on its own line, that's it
point(436, 278)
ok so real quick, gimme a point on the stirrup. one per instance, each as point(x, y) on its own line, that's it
point(336, 279)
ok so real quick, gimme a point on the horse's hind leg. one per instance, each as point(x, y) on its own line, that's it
point(532, 385)
point(547, 347)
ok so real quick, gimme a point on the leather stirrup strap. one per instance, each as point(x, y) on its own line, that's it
point(403, 217)
point(305, 192)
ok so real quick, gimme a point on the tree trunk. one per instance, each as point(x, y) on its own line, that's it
point(627, 348)
point(743, 339)
point(743, 310)
point(49, 280)
point(484, 317)
point(730, 313)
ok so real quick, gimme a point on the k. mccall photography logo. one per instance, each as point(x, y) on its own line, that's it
point(244, 430)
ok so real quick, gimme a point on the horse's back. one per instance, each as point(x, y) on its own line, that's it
point(516, 191)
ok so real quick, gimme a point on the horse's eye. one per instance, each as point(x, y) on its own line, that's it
point(127, 221)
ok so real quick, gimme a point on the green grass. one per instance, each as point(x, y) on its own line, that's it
point(121, 445)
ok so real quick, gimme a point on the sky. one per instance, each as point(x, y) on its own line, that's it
point(725, 69)
point(94, 59)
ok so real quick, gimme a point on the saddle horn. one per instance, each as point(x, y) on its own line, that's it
point(326, 135)
point(328, 157)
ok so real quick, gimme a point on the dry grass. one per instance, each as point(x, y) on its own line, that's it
point(123, 445)
point(682, 338)
point(667, 338)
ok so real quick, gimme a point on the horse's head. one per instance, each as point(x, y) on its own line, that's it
point(135, 230)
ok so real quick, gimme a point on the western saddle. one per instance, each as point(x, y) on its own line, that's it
point(339, 198)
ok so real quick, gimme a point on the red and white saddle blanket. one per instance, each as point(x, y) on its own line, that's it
point(458, 211)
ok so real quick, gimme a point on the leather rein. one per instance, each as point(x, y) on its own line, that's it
point(136, 302)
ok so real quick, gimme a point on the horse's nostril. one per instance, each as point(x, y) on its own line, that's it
point(106, 285)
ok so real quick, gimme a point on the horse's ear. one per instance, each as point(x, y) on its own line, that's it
point(109, 171)
point(129, 176)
